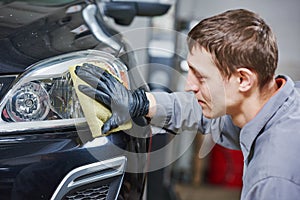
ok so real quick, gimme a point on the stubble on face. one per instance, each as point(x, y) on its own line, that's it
point(207, 83)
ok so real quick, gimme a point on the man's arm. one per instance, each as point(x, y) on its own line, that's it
point(177, 111)
point(152, 105)
point(180, 111)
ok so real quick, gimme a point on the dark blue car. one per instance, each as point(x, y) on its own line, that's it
point(47, 149)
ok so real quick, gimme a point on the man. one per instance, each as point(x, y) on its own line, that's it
point(232, 61)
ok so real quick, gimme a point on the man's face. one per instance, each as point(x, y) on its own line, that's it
point(206, 81)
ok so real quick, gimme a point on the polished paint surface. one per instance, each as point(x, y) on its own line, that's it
point(32, 164)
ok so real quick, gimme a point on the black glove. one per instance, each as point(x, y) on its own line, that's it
point(106, 89)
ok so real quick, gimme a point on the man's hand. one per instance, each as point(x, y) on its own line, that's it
point(106, 89)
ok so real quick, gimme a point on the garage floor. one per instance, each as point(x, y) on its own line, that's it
point(206, 192)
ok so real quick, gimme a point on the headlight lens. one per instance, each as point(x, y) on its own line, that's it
point(30, 102)
point(48, 99)
point(46, 92)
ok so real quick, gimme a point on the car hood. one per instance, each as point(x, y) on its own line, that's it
point(33, 30)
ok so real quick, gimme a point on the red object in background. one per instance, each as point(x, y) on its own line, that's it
point(225, 167)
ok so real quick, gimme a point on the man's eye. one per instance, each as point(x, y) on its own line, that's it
point(197, 75)
point(200, 77)
point(202, 80)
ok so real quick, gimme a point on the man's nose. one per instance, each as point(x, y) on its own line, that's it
point(190, 85)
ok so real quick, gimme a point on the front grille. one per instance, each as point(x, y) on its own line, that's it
point(100, 180)
point(93, 193)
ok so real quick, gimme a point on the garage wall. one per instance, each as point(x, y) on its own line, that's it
point(282, 16)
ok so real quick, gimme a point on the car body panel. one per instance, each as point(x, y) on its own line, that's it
point(34, 163)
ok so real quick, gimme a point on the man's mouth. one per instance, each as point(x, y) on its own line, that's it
point(202, 103)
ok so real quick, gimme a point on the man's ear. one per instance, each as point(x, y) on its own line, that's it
point(247, 79)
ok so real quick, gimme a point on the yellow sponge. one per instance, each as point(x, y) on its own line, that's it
point(95, 113)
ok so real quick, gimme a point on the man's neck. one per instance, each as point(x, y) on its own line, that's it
point(253, 103)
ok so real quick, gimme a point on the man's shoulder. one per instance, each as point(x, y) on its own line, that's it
point(276, 154)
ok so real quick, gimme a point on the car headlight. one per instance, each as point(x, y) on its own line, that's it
point(44, 96)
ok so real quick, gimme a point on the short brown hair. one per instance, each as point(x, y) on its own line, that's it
point(238, 38)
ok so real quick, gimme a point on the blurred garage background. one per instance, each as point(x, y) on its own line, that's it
point(161, 49)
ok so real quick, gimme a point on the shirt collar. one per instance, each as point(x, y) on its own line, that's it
point(255, 127)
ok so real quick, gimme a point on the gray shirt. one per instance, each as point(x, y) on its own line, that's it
point(270, 142)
